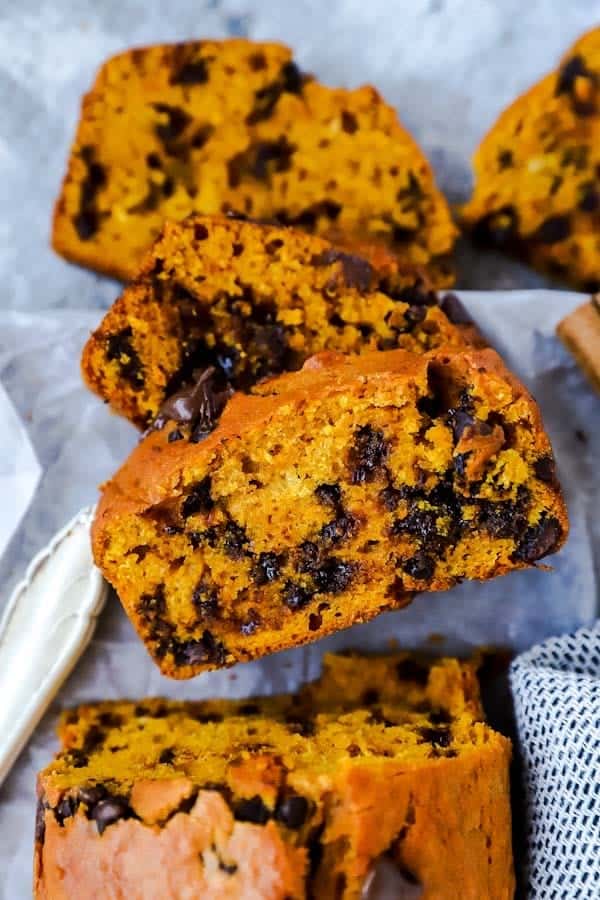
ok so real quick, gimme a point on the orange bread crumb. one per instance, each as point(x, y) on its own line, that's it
point(252, 300)
point(334, 495)
point(207, 126)
point(536, 172)
point(383, 770)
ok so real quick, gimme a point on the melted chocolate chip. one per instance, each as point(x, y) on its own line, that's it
point(315, 620)
point(420, 566)
point(119, 348)
point(198, 405)
point(338, 529)
point(505, 159)
point(198, 499)
point(108, 811)
point(260, 160)
point(92, 794)
point(152, 605)
point(293, 811)
point(295, 596)
point(438, 737)
point(539, 540)
point(252, 810)
point(386, 880)
point(334, 575)
point(368, 454)
point(267, 568)
point(199, 652)
point(65, 809)
point(590, 198)
point(234, 541)
point(205, 600)
point(329, 494)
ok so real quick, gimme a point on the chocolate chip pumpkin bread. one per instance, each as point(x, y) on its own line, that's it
point(537, 172)
point(207, 126)
point(382, 775)
point(333, 495)
point(252, 300)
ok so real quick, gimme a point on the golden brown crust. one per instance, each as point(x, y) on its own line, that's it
point(238, 546)
point(580, 333)
point(536, 172)
point(209, 125)
point(382, 758)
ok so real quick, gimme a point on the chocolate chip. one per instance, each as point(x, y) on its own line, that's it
point(192, 72)
point(438, 737)
point(175, 435)
point(271, 247)
point(65, 809)
point(237, 249)
point(315, 620)
point(539, 540)
point(198, 500)
point(110, 810)
point(295, 596)
point(553, 230)
point(260, 160)
point(228, 868)
point(199, 652)
point(590, 198)
point(349, 122)
point(205, 601)
point(421, 566)
point(200, 232)
point(334, 575)
point(119, 348)
point(411, 670)
point(248, 709)
point(290, 81)
point(78, 759)
point(357, 272)
point(252, 810)
point(545, 469)
point(154, 604)
point(505, 159)
point(252, 622)
point(110, 720)
point(329, 494)
point(420, 523)
point(257, 62)
point(206, 717)
point(167, 756)
point(368, 453)
point(153, 161)
point(390, 496)
point(267, 568)
point(177, 122)
point(454, 310)
point(92, 794)
point(498, 228)
point(338, 530)
point(86, 224)
point(94, 738)
point(234, 541)
point(574, 69)
point(293, 811)
point(308, 556)
point(353, 750)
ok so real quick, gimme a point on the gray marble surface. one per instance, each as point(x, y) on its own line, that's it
point(449, 66)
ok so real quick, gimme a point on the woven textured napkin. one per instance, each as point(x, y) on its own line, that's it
point(556, 689)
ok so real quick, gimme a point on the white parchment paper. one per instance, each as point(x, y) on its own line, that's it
point(449, 66)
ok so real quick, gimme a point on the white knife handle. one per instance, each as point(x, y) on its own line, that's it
point(47, 624)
